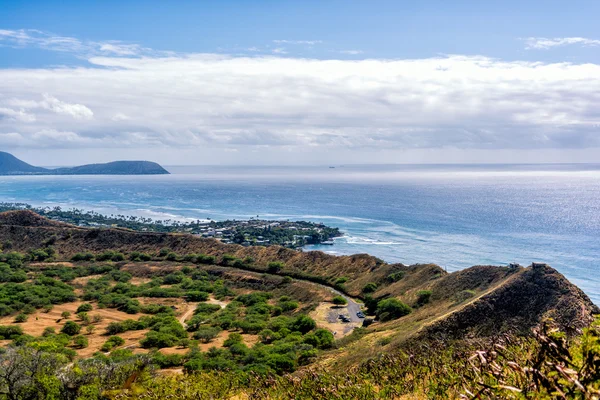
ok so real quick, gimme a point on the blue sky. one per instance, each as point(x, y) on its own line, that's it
point(296, 81)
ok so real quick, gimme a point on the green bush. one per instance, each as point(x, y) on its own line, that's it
point(228, 259)
point(206, 259)
point(196, 296)
point(20, 318)
point(207, 308)
point(158, 340)
point(82, 257)
point(113, 341)
point(395, 277)
point(275, 267)
point(207, 333)
point(370, 287)
point(10, 332)
point(423, 297)
point(339, 300)
point(341, 280)
point(71, 328)
point(80, 341)
point(303, 324)
point(389, 309)
point(85, 307)
point(174, 278)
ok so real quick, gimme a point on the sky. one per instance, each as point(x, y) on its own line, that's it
point(300, 82)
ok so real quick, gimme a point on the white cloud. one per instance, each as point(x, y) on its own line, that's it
point(47, 41)
point(119, 117)
point(307, 42)
point(16, 115)
point(540, 43)
point(77, 111)
point(279, 50)
point(351, 52)
point(211, 101)
point(121, 49)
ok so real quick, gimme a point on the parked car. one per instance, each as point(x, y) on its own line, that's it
point(360, 314)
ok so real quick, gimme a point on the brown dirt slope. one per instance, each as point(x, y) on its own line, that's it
point(27, 218)
point(26, 230)
point(518, 305)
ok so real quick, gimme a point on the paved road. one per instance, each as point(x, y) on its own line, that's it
point(353, 307)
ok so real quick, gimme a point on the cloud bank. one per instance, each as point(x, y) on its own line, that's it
point(265, 103)
point(540, 43)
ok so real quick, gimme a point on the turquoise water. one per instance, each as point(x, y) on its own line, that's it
point(454, 216)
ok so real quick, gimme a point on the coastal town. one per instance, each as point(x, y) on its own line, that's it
point(250, 232)
point(258, 232)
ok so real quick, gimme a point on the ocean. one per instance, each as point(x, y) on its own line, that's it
point(453, 215)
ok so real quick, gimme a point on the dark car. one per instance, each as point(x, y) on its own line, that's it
point(345, 319)
point(360, 314)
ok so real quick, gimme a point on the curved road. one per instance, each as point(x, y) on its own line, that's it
point(353, 307)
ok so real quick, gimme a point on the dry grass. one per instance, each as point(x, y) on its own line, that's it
point(39, 321)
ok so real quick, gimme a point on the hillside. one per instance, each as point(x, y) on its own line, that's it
point(10, 165)
point(519, 296)
point(263, 322)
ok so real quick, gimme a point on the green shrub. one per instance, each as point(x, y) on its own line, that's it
point(174, 278)
point(389, 309)
point(285, 306)
point(85, 307)
point(207, 308)
point(341, 280)
point(20, 318)
point(227, 259)
point(370, 287)
point(232, 339)
point(158, 340)
point(137, 256)
point(80, 341)
point(423, 297)
point(206, 259)
point(113, 341)
point(196, 296)
point(207, 333)
point(71, 328)
point(395, 277)
point(10, 332)
point(339, 300)
point(303, 324)
point(82, 257)
point(49, 331)
point(163, 252)
point(274, 267)
point(118, 257)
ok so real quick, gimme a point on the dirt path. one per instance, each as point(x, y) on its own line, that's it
point(190, 310)
point(192, 306)
point(352, 308)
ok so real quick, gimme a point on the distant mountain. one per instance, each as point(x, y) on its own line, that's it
point(114, 168)
point(10, 165)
